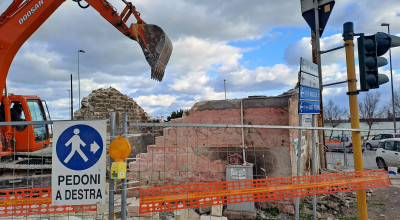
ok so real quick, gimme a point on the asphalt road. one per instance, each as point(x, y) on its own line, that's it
point(368, 159)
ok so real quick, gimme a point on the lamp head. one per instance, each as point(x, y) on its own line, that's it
point(81, 51)
point(385, 24)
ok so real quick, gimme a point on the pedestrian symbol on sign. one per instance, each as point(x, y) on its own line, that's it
point(73, 147)
point(75, 143)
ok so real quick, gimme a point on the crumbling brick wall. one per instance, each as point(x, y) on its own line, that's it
point(200, 154)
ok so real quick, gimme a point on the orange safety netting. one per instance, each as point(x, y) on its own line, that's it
point(170, 198)
point(34, 201)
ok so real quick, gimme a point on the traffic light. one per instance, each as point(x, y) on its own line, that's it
point(369, 61)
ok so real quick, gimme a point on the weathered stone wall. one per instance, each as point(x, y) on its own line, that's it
point(101, 102)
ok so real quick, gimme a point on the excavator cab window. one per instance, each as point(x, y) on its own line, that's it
point(17, 114)
point(38, 114)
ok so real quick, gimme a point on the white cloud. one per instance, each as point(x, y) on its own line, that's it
point(155, 100)
point(196, 54)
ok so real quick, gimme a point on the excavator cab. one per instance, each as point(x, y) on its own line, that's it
point(16, 138)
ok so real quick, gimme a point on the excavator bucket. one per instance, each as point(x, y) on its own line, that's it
point(156, 46)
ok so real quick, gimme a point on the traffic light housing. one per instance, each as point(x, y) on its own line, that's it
point(370, 48)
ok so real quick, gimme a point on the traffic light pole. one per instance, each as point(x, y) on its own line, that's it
point(348, 36)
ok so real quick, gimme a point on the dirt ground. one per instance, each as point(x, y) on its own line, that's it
point(382, 203)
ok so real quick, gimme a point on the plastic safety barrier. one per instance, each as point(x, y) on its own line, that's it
point(36, 201)
point(170, 198)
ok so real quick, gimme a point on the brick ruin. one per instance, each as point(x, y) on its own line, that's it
point(178, 155)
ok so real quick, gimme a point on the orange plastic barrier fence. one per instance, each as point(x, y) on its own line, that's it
point(333, 142)
point(34, 201)
point(170, 198)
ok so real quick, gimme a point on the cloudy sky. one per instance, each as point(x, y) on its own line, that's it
point(254, 45)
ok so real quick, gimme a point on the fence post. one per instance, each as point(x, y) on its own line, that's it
point(123, 181)
point(111, 181)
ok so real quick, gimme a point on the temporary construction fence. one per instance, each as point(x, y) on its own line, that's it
point(188, 159)
point(169, 198)
point(34, 201)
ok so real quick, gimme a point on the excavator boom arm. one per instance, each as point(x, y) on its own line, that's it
point(23, 17)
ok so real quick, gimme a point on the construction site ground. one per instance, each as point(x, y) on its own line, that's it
point(383, 203)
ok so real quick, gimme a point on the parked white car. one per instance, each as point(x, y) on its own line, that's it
point(374, 142)
point(388, 153)
point(340, 143)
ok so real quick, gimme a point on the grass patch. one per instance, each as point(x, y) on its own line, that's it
point(271, 210)
point(350, 218)
point(306, 216)
point(376, 205)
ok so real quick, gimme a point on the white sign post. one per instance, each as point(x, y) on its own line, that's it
point(79, 163)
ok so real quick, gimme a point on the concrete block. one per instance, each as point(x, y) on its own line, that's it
point(209, 217)
point(206, 209)
point(240, 215)
point(146, 217)
point(186, 214)
point(217, 210)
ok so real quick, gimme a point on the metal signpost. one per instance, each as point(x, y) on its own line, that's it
point(79, 163)
point(309, 105)
point(316, 13)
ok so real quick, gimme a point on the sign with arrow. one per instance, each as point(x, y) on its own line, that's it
point(308, 107)
point(309, 94)
point(79, 163)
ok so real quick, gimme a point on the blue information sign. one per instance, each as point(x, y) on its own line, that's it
point(309, 94)
point(308, 107)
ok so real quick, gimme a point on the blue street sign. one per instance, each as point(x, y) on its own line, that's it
point(308, 107)
point(79, 147)
point(309, 94)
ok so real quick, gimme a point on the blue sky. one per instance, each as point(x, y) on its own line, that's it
point(255, 45)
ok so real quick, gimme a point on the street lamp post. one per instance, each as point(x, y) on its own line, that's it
point(69, 100)
point(72, 103)
point(79, 80)
point(391, 78)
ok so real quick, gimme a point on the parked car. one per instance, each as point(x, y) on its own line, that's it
point(340, 143)
point(374, 142)
point(388, 153)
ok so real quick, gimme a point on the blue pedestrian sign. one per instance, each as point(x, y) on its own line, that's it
point(309, 94)
point(79, 147)
point(309, 107)
point(78, 162)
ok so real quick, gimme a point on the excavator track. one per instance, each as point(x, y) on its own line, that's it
point(26, 169)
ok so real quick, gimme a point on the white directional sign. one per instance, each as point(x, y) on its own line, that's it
point(309, 80)
point(79, 163)
point(308, 67)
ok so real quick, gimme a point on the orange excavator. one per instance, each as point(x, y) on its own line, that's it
point(21, 19)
